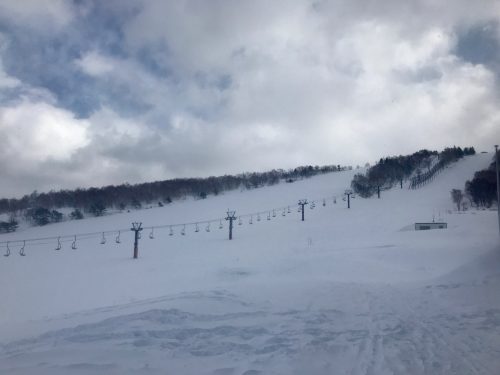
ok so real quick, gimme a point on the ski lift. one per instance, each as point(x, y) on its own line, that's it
point(283, 213)
point(324, 202)
point(220, 224)
point(59, 246)
point(103, 239)
point(171, 233)
point(152, 233)
point(268, 216)
point(183, 231)
point(289, 211)
point(73, 244)
point(274, 213)
point(139, 235)
point(117, 239)
point(7, 253)
point(21, 250)
point(258, 217)
point(312, 205)
point(299, 209)
point(239, 221)
point(251, 220)
point(208, 227)
point(196, 228)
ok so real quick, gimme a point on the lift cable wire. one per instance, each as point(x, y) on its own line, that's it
point(73, 238)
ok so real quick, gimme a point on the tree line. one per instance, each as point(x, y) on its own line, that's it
point(481, 190)
point(41, 208)
point(396, 169)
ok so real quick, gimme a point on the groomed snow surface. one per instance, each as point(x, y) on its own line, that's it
point(345, 292)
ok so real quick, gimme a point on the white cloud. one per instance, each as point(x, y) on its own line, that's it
point(258, 85)
point(6, 81)
point(37, 132)
point(95, 64)
point(336, 85)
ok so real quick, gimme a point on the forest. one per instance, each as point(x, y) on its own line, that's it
point(41, 208)
point(397, 169)
point(482, 189)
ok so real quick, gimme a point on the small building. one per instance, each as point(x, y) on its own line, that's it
point(427, 226)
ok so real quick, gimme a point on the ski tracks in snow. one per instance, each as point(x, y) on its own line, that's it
point(409, 337)
point(387, 330)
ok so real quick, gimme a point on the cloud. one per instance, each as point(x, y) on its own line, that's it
point(146, 90)
point(480, 44)
point(33, 135)
point(95, 65)
point(7, 82)
point(38, 14)
point(37, 132)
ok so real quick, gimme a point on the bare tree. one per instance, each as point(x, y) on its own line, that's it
point(457, 196)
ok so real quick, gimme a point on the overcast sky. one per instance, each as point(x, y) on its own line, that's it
point(104, 92)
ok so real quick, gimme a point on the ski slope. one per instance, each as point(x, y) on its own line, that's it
point(347, 291)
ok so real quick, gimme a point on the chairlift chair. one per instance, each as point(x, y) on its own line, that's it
point(7, 253)
point(21, 250)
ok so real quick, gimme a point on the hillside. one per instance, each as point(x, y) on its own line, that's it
point(347, 291)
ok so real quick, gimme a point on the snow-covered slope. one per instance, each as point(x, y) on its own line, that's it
point(349, 291)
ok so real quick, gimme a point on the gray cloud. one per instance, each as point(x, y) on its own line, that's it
point(97, 92)
point(480, 44)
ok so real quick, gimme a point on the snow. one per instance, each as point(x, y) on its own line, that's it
point(344, 292)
